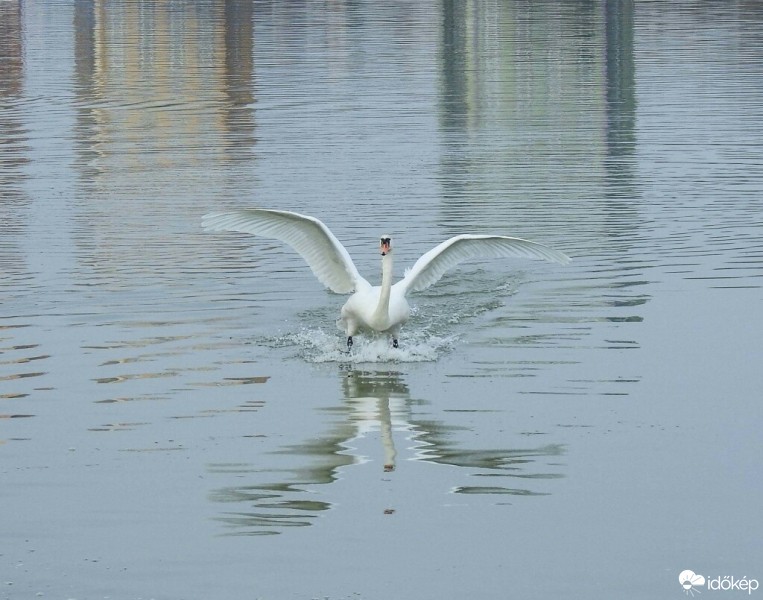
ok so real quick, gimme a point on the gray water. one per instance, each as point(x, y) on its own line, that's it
point(179, 419)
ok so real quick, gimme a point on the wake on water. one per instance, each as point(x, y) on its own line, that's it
point(428, 335)
point(316, 345)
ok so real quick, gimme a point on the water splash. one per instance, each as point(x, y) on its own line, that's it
point(437, 323)
point(316, 345)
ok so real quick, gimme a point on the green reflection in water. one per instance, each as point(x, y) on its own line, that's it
point(375, 404)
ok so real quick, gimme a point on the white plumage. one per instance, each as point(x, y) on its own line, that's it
point(381, 308)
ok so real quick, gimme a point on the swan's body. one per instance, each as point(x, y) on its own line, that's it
point(383, 308)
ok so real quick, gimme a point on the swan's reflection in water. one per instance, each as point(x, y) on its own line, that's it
point(375, 404)
point(378, 400)
point(519, 463)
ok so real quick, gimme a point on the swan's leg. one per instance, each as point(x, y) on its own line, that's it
point(349, 343)
point(393, 333)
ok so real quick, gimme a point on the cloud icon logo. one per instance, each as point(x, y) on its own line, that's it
point(689, 580)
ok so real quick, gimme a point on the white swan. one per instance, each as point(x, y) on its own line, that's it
point(381, 308)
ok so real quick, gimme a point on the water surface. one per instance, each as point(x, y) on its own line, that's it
point(178, 418)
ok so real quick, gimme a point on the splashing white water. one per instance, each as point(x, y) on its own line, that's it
point(434, 316)
point(319, 346)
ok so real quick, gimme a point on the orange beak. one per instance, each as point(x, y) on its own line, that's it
point(384, 247)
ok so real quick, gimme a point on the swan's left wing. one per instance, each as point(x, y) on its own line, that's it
point(432, 265)
point(326, 256)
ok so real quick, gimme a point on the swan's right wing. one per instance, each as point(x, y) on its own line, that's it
point(433, 265)
point(329, 260)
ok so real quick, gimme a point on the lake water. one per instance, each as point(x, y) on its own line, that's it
point(179, 419)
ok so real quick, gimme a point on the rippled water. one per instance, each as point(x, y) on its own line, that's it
point(178, 417)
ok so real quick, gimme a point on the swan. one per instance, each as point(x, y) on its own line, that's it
point(382, 308)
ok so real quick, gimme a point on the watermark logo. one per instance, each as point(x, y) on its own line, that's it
point(692, 583)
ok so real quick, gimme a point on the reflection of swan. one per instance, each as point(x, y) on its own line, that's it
point(292, 484)
point(379, 308)
point(378, 400)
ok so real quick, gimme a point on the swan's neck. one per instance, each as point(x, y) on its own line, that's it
point(382, 310)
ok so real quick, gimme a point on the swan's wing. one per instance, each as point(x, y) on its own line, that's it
point(329, 260)
point(432, 265)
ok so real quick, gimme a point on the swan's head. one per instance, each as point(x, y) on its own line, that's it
point(385, 245)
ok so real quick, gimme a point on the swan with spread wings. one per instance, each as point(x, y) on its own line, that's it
point(382, 308)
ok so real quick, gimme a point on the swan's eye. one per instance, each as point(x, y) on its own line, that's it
point(385, 241)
